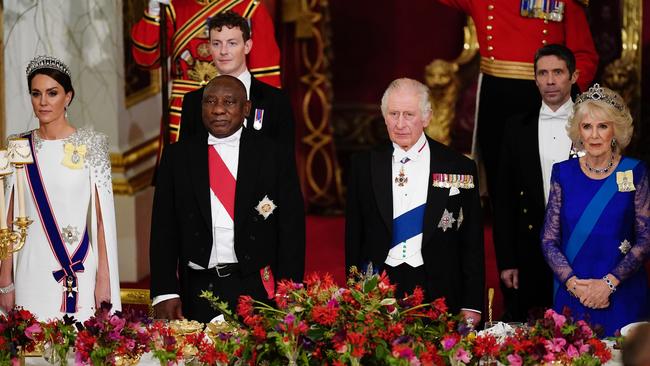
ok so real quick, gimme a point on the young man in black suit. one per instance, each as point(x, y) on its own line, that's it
point(532, 143)
point(227, 215)
point(413, 208)
point(270, 113)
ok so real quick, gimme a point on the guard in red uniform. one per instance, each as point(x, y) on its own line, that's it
point(509, 32)
point(191, 63)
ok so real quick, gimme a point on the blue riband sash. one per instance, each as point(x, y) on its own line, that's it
point(408, 225)
point(592, 212)
point(69, 266)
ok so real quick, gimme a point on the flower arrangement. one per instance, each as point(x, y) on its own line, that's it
point(110, 339)
point(320, 323)
point(56, 336)
point(17, 330)
point(163, 344)
point(554, 338)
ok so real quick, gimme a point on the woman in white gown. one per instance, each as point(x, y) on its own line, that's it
point(69, 262)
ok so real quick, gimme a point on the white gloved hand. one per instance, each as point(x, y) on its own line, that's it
point(154, 7)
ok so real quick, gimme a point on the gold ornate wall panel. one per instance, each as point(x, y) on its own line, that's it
point(323, 191)
point(133, 170)
point(3, 125)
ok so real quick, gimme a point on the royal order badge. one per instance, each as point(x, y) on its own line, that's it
point(73, 157)
point(625, 181)
point(266, 207)
point(625, 246)
point(447, 220)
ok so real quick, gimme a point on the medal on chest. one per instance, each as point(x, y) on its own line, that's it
point(401, 178)
point(73, 155)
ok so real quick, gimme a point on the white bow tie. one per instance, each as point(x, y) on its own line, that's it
point(546, 114)
point(232, 140)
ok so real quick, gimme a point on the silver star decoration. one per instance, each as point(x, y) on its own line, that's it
point(447, 220)
point(70, 235)
point(460, 219)
point(625, 246)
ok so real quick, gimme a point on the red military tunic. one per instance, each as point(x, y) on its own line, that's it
point(191, 63)
point(508, 40)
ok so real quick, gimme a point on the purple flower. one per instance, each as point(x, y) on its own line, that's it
point(449, 342)
point(289, 319)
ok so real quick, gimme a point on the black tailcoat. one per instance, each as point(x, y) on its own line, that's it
point(453, 259)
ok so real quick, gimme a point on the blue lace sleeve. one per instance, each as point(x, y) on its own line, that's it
point(640, 251)
point(551, 234)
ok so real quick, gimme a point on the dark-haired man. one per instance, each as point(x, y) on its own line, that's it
point(227, 215)
point(270, 113)
point(532, 143)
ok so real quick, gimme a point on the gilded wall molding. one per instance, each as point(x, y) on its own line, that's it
point(624, 74)
point(3, 125)
point(130, 171)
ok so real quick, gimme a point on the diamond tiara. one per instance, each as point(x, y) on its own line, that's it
point(599, 93)
point(46, 62)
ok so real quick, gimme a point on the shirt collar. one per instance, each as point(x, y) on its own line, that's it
point(565, 110)
point(232, 140)
point(413, 153)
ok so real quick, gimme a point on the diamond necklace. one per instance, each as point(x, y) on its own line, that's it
point(602, 170)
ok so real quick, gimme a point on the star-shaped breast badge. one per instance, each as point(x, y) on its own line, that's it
point(447, 220)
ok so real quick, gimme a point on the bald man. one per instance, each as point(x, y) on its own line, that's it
point(227, 214)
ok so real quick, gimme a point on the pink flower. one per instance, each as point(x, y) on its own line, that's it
point(555, 345)
point(32, 330)
point(559, 320)
point(515, 360)
point(462, 356)
point(572, 352)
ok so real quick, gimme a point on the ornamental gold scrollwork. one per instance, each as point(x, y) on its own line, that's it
point(444, 83)
point(312, 22)
point(623, 75)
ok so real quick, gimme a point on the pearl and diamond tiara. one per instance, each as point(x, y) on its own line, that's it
point(46, 62)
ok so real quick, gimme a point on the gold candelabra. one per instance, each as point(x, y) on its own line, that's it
point(18, 154)
point(13, 240)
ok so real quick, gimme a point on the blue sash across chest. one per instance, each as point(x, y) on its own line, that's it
point(70, 265)
point(408, 225)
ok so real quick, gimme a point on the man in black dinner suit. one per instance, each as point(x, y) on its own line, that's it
point(532, 143)
point(270, 113)
point(413, 208)
point(227, 214)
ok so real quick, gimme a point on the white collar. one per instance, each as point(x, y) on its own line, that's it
point(232, 140)
point(413, 153)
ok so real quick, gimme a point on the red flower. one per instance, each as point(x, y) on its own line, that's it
point(245, 306)
point(600, 350)
point(325, 315)
point(486, 346)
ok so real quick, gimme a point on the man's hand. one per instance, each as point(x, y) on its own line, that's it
point(168, 309)
point(510, 278)
point(471, 317)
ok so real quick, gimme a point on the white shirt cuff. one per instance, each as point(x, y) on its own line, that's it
point(160, 298)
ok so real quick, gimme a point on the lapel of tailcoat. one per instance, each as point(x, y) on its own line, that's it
point(198, 162)
point(436, 197)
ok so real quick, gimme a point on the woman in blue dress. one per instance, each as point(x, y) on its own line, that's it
point(596, 234)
